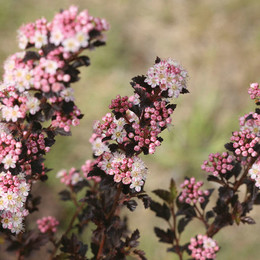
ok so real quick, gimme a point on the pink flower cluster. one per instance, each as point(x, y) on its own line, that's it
point(69, 178)
point(254, 173)
point(120, 104)
point(203, 247)
point(13, 194)
point(254, 92)
point(137, 122)
point(48, 224)
point(191, 192)
point(69, 30)
point(218, 163)
point(244, 143)
point(169, 76)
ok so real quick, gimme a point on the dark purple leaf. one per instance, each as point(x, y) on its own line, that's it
point(164, 236)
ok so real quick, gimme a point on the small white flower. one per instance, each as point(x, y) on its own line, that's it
point(33, 105)
point(254, 172)
point(19, 75)
point(118, 157)
point(105, 165)
point(119, 134)
point(152, 80)
point(39, 39)
point(9, 161)
point(11, 113)
point(82, 38)
point(24, 189)
point(71, 45)
point(18, 228)
point(16, 219)
point(136, 184)
point(99, 147)
point(51, 66)
point(5, 221)
point(68, 94)
point(56, 37)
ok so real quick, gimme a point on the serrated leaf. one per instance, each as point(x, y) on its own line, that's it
point(164, 195)
point(145, 199)
point(164, 236)
point(65, 195)
point(161, 211)
point(131, 204)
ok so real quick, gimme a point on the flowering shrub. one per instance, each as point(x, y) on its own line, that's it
point(37, 103)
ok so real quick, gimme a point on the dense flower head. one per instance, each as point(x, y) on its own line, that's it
point(191, 192)
point(48, 224)
point(13, 193)
point(254, 173)
point(69, 30)
point(254, 92)
point(169, 76)
point(203, 247)
point(244, 143)
point(218, 164)
point(69, 178)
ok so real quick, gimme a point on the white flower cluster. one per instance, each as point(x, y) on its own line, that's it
point(168, 75)
point(13, 194)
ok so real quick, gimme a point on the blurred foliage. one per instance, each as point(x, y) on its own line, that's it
point(217, 41)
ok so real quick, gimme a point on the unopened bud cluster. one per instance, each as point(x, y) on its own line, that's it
point(191, 192)
point(48, 224)
point(218, 164)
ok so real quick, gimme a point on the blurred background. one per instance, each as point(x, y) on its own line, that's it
point(217, 41)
